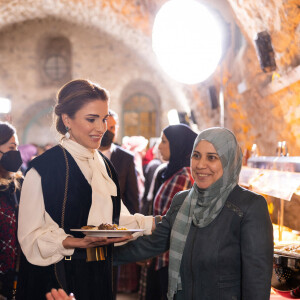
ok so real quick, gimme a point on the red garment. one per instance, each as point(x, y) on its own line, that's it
point(180, 181)
point(8, 235)
point(148, 156)
point(279, 297)
point(129, 275)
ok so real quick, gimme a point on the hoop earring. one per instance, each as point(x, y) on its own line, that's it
point(67, 134)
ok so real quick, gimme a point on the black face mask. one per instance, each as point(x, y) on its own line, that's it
point(11, 161)
point(107, 138)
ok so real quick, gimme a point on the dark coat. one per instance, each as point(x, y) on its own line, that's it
point(123, 162)
point(231, 258)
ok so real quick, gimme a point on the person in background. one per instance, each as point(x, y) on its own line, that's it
point(137, 145)
point(175, 148)
point(48, 146)
point(28, 152)
point(129, 274)
point(10, 184)
point(149, 155)
point(150, 168)
point(123, 161)
point(220, 235)
point(70, 186)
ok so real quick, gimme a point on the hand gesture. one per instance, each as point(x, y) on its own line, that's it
point(90, 241)
point(59, 295)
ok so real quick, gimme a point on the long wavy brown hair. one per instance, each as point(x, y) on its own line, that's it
point(6, 178)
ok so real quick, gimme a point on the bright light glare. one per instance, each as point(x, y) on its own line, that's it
point(173, 117)
point(5, 106)
point(187, 41)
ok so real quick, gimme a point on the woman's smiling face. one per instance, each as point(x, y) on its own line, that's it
point(89, 124)
point(164, 148)
point(206, 165)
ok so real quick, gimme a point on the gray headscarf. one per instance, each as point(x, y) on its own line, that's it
point(202, 206)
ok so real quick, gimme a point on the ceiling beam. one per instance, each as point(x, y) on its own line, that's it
point(282, 82)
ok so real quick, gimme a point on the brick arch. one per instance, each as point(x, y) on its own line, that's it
point(110, 17)
point(38, 120)
point(140, 100)
point(125, 22)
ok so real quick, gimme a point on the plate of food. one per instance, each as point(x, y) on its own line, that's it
point(106, 230)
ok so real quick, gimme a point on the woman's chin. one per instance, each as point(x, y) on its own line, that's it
point(203, 184)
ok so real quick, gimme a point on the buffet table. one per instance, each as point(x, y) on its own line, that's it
point(279, 177)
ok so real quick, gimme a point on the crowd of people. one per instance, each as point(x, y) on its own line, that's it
point(205, 237)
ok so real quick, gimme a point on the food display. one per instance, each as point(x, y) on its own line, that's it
point(286, 274)
point(290, 249)
point(288, 235)
point(278, 177)
point(103, 226)
point(107, 230)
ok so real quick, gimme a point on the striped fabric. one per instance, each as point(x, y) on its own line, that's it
point(180, 181)
point(143, 283)
point(202, 206)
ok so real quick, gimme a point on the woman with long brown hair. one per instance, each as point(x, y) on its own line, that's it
point(10, 184)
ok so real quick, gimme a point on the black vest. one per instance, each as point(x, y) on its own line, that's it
point(51, 166)
point(35, 281)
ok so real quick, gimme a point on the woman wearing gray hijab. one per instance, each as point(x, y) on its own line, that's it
point(220, 235)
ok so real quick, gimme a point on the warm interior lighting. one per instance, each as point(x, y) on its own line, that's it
point(173, 117)
point(275, 75)
point(187, 41)
point(5, 106)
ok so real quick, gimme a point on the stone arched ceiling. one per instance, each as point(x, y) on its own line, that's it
point(127, 21)
point(131, 21)
point(117, 18)
point(280, 18)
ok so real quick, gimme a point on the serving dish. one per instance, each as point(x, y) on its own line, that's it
point(107, 233)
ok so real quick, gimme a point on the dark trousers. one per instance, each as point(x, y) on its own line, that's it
point(163, 282)
point(157, 283)
point(7, 284)
point(115, 282)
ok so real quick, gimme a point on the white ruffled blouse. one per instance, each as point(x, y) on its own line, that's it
point(40, 237)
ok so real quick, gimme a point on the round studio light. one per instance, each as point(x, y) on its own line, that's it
point(187, 41)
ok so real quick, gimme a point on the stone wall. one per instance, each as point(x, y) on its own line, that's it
point(95, 55)
point(259, 107)
point(111, 44)
point(267, 111)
